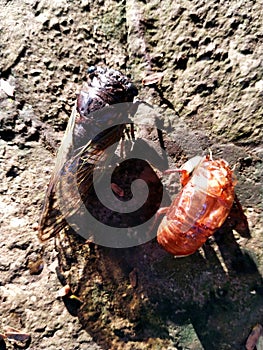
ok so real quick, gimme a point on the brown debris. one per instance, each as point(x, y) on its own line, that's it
point(133, 276)
point(153, 78)
point(254, 336)
point(19, 338)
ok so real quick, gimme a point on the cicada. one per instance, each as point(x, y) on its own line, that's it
point(87, 137)
point(200, 208)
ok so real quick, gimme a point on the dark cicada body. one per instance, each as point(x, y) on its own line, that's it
point(92, 128)
point(104, 87)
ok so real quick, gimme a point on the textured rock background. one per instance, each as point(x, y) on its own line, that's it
point(211, 57)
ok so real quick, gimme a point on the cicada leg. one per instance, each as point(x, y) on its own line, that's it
point(129, 132)
point(186, 170)
point(185, 175)
point(161, 211)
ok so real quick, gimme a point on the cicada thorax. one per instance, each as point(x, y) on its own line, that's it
point(91, 130)
point(199, 209)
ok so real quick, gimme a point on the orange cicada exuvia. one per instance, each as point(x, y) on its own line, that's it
point(200, 208)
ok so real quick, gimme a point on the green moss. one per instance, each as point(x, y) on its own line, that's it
point(113, 23)
point(187, 335)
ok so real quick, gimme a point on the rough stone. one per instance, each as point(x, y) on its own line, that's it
point(211, 97)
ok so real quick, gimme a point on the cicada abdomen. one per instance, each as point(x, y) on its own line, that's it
point(200, 208)
point(92, 128)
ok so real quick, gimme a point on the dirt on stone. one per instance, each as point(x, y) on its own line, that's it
point(210, 97)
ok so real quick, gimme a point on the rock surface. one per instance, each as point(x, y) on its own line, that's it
point(211, 56)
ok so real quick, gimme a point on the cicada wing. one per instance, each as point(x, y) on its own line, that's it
point(78, 177)
point(51, 220)
point(71, 182)
point(62, 200)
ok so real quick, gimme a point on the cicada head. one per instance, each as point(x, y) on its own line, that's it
point(118, 87)
point(105, 86)
point(188, 169)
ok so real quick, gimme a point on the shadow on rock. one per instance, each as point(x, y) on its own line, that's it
point(142, 297)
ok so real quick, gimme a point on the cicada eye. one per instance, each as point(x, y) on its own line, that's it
point(131, 88)
point(91, 69)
